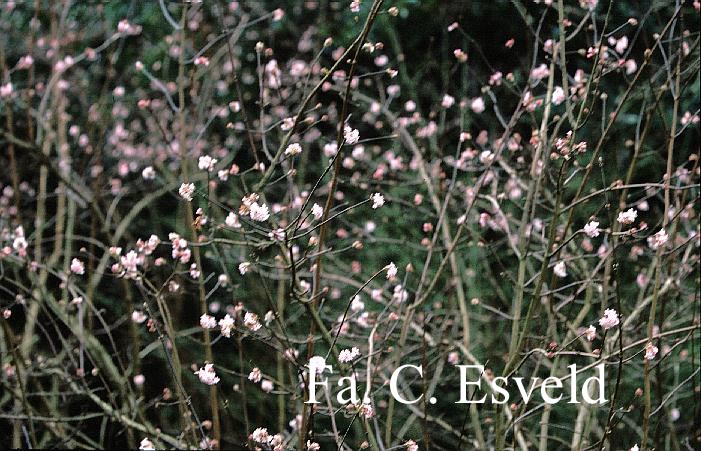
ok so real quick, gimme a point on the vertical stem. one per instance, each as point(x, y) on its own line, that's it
point(659, 252)
point(536, 175)
point(316, 285)
point(183, 146)
point(280, 370)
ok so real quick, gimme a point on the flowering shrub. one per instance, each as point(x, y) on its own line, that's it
point(210, 208)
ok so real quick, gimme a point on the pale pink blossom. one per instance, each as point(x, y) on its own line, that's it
point(348, 355)
point(460, 55)
point(77, 267)
point(293, 149)
point(123, 26)
point(486, 157)
point(650, 351)
point(590, 333)
point(130, 261)
point(477, 105)
point(206, 163)
point(391, 270)
point(291, 354)
point(186, 191)
point(317, 211)
point(560, 269)
point(453, 357)
point(588, 4)
point(149, 246)
point(19, 243)
point(558, 95)
point(207, 374)
point(540, 72)
point(259, 212)
point(378, 200)
point(232, 220)
point(267, 385)
point(688, 118)
point(357, 304)
point(25, 62)
point(674, 414)
point(658, 240)
point(399, 294)
point(226, 325)
point(495, 79)
point(244, 267)
point(260, 435)
point(250, 320)
point(548, 46)
point(255, 375)
point(622, 45)
point(6, 90)
point(381, 60)
point(447, 101)
point(627, 217)
point(201, 61)
point(330, 149)
point(318, 363)
point(277, 234)
point(591, 228)
point(609, 320)
point(351, 135)
point(367, 411)
point(148, 173)
point(641, 280)
point(179, 248)
point(207, 321)
point(138, 316)
point(146, 445)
